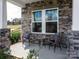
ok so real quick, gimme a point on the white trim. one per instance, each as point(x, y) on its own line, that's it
point(3, 14)
point(44, 9)
point(75, 15)
point(52, 21)
point(19, 3)
point(44, 22)
point(58, 21)
point(42, 33)
point(36, 21)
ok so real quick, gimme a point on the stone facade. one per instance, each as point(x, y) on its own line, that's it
point(65, 13)
point(73, 50)
point(4, 38)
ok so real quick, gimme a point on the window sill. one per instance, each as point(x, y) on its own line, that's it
point(42, 33)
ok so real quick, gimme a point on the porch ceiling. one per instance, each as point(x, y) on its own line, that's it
point(22, 3)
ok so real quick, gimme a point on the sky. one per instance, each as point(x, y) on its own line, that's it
point(13, 11)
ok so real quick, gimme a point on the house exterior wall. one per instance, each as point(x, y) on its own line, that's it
point(73, 49)
point(5, 38)
point(65, 14)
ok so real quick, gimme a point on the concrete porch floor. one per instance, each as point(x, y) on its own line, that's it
point(44, 52)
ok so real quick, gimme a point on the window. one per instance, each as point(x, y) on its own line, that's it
point(45, 21)
point(37, 27)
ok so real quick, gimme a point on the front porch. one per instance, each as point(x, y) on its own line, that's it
point(64, 22)
point(44, 52)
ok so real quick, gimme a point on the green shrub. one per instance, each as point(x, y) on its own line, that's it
point(15, 36)
point(2, 55)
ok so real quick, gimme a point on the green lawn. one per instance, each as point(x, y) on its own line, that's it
point(14, 27)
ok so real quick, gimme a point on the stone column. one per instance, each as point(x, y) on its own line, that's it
point(3, 14)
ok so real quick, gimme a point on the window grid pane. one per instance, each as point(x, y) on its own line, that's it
point(37, 27)
point(37, 16)
point(51, 15)
point(51, 27)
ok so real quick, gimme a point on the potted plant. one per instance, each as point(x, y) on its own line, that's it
point(33, 54)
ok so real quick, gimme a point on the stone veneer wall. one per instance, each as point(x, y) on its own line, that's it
point(65, 13)
point(4, 38)
point(73, 50)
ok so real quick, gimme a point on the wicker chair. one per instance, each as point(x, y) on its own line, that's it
point(57, 41)
point(63, 40)
point(26, 38)
point(45, 41)
point(54, 41)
